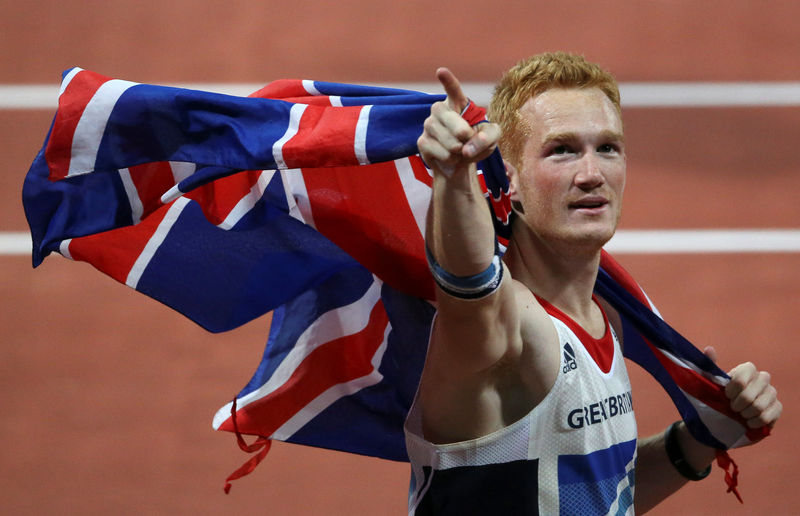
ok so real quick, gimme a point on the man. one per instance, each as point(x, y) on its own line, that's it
point(524, 406)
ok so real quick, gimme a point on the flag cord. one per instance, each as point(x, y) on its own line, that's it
point(261, 445)
point(725, 462)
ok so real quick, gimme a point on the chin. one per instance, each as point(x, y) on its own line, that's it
point(590, 240)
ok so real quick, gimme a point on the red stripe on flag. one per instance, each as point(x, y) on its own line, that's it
point(311, 100)
point(697, 386)
point(283, 89)
point(114, 252)
point(420, 170)
point(621, 276)
point(336, 362)
point(151, 181)
point(219, 197)
point(364, 211)
point(330, 132)
point(71, 104)
point(756, 434)
point(291, 90)
point(500, 207)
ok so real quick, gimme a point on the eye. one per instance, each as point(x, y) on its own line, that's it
point(561, 149)
point(607, 148)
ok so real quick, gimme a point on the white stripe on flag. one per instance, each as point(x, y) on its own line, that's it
point(334, 324)
point(92, 125)
point(181, 170)
point(723, 428)
point(68, 78)
point(133, 195)
point(333, 394)
point(295, 185)
point(336, 100)
point(416, 190)
point(295, 210)
point(361, 136)
point(249, 200)
point(310, 87)
point(171, 194)
point(155, 242)
point(63, 248)
point(688, 365)
point(294, 123)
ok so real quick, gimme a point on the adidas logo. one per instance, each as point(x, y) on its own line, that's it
point(569, 359)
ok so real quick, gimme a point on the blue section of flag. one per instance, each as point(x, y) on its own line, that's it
point(223, 278)
point(192, 126)
point(76, 206)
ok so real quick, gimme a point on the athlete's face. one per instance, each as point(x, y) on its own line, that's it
point(572, 168)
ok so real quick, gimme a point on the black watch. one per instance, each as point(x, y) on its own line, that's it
point(677, 458)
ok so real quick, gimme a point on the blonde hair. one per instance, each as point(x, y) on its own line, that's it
point(533, 76)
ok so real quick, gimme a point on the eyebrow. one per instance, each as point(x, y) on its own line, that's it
point(606, 135)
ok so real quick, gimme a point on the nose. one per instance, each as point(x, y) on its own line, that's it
point(589, 176)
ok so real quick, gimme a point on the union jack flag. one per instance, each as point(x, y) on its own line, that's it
point(306, 199)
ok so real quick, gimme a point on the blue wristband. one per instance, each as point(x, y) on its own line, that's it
point(467, 287)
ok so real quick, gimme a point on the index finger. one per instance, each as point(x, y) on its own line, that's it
point(455, 97)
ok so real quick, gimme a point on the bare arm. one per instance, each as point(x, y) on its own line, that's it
point(459, 233)
point(751, 394)
point(473, 382)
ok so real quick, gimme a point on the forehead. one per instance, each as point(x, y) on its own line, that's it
point(579, 111)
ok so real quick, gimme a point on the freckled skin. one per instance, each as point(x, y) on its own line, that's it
point(575, 149)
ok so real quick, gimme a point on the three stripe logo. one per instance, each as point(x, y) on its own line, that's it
point(569, 358)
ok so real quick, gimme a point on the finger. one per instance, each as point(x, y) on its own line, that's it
point(432, 150)
point(452, 87)
point(483, 142)
point(764, 400)
point(448, 127)
point(741, 376)
point(768, 417)
point(752, 391)
point(711, 353)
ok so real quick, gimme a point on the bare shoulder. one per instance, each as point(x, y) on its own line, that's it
point(540, 355)
point(459, 405)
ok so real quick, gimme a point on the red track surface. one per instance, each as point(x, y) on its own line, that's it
point(107, 396)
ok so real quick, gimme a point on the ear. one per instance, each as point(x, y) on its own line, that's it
point(513, 181)
point(511, 172)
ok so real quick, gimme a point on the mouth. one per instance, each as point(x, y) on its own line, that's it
point(592, 203)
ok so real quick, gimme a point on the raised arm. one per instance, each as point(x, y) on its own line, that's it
point(476, 373)
point(459, 234)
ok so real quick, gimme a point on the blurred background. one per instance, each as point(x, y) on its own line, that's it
point(107, 396)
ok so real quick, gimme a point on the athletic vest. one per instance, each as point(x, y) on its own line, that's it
point(574, 453)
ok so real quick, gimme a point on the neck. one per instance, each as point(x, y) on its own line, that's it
point(561, 273)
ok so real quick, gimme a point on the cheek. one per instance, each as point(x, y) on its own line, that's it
point(542, 191)
point(617, 180)
point(548, 184)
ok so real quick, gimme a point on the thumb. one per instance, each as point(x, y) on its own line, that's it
point(452, 87)
point(711, 353)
